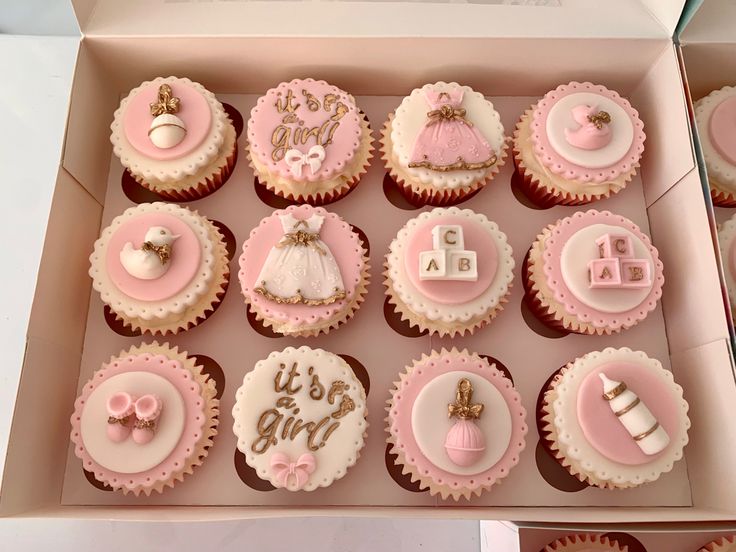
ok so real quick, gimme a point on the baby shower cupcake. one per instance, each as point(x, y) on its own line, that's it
point(581, 142)
point(300, 418)
point(615, 418)
point(592, 273)
point(727, 245)
point(449, 271)
point(715, 115)
point(585, 542)
point(160, 268)
point(721, 544)
point(175, 138)
point(444, 142)
point(455, 423)
point(308, 141)
point(145, 419)
point(303, 271)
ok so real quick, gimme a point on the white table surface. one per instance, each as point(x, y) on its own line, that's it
point(34, 89)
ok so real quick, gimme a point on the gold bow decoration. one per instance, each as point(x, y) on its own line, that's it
point(599, 119)
point(167, 102)
point(449, 113)
point(301, 238)
point(163, 251)
point(463, 407)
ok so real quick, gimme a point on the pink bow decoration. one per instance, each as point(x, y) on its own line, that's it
point(296, 159)
point(282, 465)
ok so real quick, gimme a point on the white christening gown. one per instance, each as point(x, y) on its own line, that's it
point(301, 268)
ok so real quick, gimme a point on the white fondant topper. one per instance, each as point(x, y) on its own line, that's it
point(634, 415)
point(151, 260)
point(296, 159)
point(167, 130)
point(448, 260)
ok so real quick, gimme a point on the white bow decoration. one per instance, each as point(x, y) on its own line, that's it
point(296, 159)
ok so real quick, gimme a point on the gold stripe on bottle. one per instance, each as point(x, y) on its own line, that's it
point(628, 407)
point(647, 433)
point(615, 392)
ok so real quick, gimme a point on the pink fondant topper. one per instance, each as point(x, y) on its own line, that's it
point(594, 131)
point(465, 441)
point(448, 141)
point(617, 268)
point(722, 129)
point(284, 469)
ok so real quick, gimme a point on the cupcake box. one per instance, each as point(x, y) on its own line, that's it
point(69, 335)
point(522, 537)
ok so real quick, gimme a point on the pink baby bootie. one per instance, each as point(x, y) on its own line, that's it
point(120, 407)
point(147, 411)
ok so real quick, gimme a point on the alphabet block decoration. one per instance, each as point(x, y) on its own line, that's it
point(616, 267)
point(448, 260)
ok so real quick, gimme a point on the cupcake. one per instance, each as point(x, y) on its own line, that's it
point(714, 116)
point(580, 143)
point(585, 542)
point(721, 544)
point(303, 271)
point(727, 245)
point(449, 271)
point(145, 419)
point(300, 418)
point(308, 142)
point(592, 273)
point(455, 423)
point(175, 138)
point(614, 419)
point(444, 142)
point(160, 268)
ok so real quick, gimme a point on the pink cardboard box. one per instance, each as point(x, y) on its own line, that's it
point(378, 52)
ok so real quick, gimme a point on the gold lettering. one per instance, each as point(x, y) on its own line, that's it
point(432, 265)
point(605, 274)
point(636, 273)
point(314, 433)
point(280, 139)
point(329, 101)
point(446, 239)
point(330, 134)
point(620, 245)
point(346, 406)
point(340, 111)
point(601, 253)
point(299, 425)
point(463, 264)
point(287, 105)
point(316, 389)
point(289, 385)
point(338, 387)
point(312, 101)
point(267, 426)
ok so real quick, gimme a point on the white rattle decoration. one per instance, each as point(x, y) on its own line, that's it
point(296, 159)
point(635, 416)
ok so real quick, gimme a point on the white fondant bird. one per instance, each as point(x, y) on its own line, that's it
point(151, 260)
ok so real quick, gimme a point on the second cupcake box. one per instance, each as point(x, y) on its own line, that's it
point(375, 343)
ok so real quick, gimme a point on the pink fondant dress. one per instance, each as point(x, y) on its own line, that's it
point(448, 141)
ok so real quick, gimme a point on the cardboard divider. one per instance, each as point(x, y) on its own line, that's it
point(514, 73)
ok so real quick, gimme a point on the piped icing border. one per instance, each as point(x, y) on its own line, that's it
point(726, 237)
point(488, 119)
point(565, 228)
point(187, 297)
point(399, 426)
point(718, 167)
point(571, 439)
point(352, 119)
point(447, 313)
point(350, 456)
point(556, 163)
point(200, 426)
point(285, 313)
point(173, 169)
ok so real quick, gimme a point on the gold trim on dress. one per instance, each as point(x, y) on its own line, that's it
point(300, 237)
point(459, 165)
point(339, 295)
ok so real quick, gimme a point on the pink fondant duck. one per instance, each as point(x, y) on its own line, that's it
point(594, 131)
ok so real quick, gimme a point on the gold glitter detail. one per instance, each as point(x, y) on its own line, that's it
point(599, 119)
point(300, 299)
point(463, 407)
point(167, 102)
point(459, 165)
point(301, 238)
point(615, 392)
point(121, 421)
point(163, 251)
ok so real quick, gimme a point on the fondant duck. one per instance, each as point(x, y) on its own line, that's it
point(151, 260)
point(594, 131)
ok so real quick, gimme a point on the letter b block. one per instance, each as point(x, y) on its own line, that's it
point(462, 265)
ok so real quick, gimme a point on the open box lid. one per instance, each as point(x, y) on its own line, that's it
point(711, 22)
point(638, 19)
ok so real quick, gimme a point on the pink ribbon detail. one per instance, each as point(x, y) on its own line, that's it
point(282, 465)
